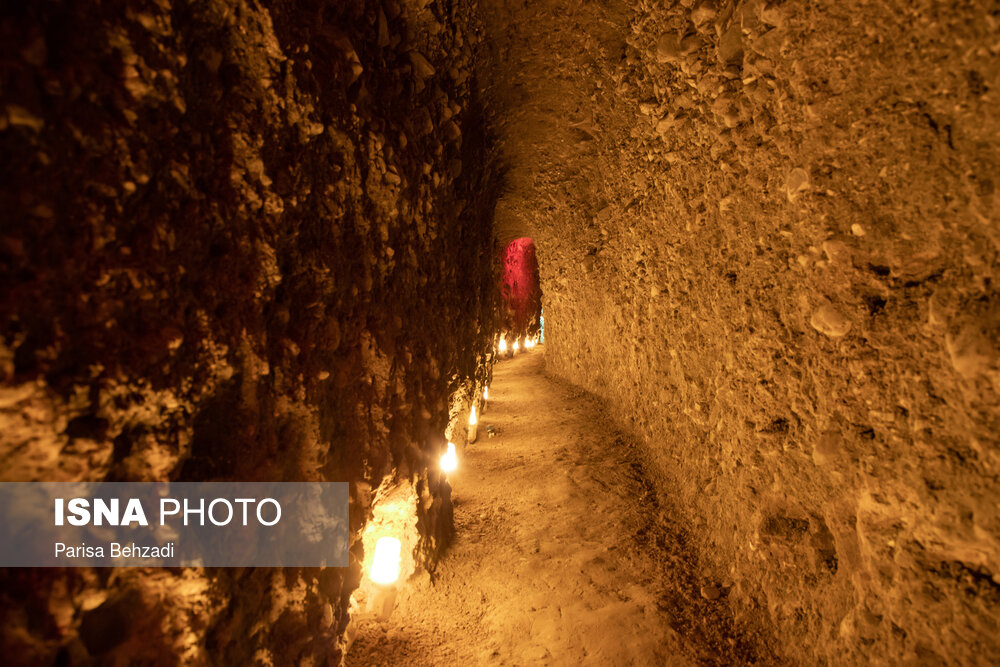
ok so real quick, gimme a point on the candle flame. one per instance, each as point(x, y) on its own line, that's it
point(473, 419)
point(502, 345)
point(486, 393)
point(385, 562)
point(449, 460)
point(529, 343)
point(517, 346)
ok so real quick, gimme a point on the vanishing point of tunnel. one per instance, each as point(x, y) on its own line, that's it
point(521, 332)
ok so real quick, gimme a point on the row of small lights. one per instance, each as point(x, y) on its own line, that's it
point(528, 344)
point(388, 550)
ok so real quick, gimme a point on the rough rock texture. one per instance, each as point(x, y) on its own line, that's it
point(768, 234)
point(239, 241)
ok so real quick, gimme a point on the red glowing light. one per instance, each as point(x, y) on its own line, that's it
point(521, 294)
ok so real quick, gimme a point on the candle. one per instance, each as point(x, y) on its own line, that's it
point(473, 424)
point(385, 562)
point(449, 460)
point(384, 573)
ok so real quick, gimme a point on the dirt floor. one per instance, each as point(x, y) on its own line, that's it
point(561, 554)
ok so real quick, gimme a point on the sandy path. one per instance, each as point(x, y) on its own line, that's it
point(561, 556)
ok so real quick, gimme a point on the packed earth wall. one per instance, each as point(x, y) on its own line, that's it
point(240, 241)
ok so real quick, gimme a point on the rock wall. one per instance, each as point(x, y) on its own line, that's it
point(768, 234)
point(240, 241)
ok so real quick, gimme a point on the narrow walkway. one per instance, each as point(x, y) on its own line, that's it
point(561, 555)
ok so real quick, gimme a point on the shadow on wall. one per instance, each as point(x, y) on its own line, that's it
point(522, 296)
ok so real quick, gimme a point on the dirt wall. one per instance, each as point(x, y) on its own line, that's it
point(240, 241)
point(768, 235)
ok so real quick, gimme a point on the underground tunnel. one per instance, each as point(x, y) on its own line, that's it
point(273, 367)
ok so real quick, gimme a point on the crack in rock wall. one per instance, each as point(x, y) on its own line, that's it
point(768, 235)
point(240, 241)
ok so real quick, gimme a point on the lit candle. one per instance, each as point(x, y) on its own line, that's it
point(473, 424)
point(529, 343)
point(486, 397)
point(517, 346)
point(449, 460)
point(385, 562)
point(384, 573)
point(502, 345)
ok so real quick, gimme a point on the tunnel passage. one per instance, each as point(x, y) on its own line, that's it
point(522, 295)
point(261, 240)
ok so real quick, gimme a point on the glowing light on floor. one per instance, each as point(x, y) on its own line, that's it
point(385, 563)
point(449, 460)
point(502, 345)
point(517, 346)
point(529, 343)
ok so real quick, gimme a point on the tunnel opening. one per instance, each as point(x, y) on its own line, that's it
point(520, 289)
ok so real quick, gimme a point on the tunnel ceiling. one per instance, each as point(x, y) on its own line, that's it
point(509, 224)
